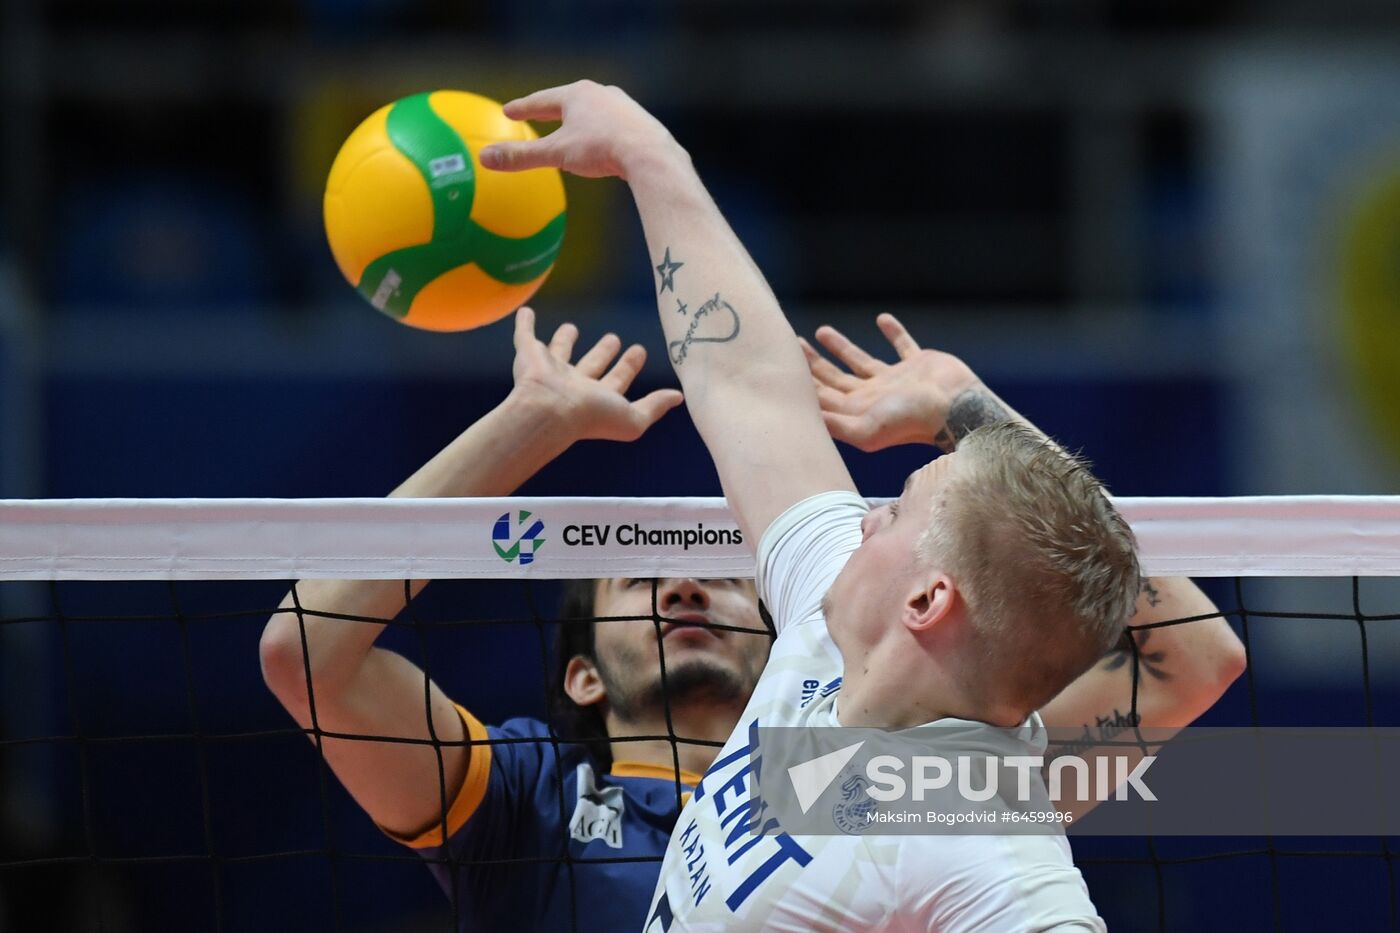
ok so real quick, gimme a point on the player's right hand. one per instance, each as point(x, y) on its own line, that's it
point(604, 133)
point(587, 399)
point(876, 404)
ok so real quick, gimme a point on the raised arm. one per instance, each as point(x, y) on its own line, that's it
point(931, 397)
point(745, 380)
point(363, 690)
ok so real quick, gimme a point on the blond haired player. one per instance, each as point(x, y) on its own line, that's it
point(1000, 575)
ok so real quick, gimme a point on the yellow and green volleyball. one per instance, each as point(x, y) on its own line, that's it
point(426, 234)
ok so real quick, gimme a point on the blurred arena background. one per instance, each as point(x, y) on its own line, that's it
point(1168, 232)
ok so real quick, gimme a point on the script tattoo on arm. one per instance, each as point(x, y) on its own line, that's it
point(971, 409)
point(1153, 662)
point(1102, 729)
point(723, 327)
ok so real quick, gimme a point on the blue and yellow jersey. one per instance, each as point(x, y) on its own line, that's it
point(532, 834)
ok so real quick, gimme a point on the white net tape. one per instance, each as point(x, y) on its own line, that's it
point(559, 538)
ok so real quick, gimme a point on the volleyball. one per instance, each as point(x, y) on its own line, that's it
point(426, 234)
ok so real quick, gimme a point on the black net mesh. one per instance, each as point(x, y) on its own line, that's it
point(151, 782)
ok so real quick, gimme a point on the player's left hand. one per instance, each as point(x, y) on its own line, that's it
point(587, 399)
point(877, 404)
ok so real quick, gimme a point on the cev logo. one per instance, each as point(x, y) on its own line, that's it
point(520, 543)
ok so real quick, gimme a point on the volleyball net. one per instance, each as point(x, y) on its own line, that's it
point(150, 781)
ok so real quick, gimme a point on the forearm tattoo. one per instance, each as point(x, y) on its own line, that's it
point(723, 328)
point(1153, 662)
point(970, 410)
point(667, 271)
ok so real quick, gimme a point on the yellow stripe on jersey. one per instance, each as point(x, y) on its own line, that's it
point(642, 769)
point(468, 798)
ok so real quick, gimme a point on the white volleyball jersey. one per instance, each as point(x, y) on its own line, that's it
point(718, 876)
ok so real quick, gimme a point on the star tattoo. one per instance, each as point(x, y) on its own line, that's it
point(668, 272)
point(680, 306)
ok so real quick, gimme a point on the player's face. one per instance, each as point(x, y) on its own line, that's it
point(702, 664)
point(868, 593)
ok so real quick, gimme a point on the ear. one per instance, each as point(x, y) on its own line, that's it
point(930, 603)
point(582, 683)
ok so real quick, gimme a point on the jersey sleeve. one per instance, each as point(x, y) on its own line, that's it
point(469, 797)
point(496, 813)
point(802, 552)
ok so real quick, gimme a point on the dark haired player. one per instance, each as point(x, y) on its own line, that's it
point(504, 800)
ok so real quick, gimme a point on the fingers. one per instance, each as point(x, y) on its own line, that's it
point(905, 345)
point(824, 371)
point(547, 104)
point(561, 345)
point(619, 379)
point(648, 409)
point(524, 327)
point(840, 346)
point(519, 155)
point(850, 430)
point(831, 400)
point(596, 360)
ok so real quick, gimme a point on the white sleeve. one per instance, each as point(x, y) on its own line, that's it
point(802, 552)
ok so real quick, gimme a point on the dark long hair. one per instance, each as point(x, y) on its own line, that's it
point(575, 637)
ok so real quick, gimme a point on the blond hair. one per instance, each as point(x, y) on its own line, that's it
point(1046, 566)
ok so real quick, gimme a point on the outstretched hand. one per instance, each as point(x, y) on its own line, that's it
point(603, 132)
point(877, 404)
point(589, 398)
